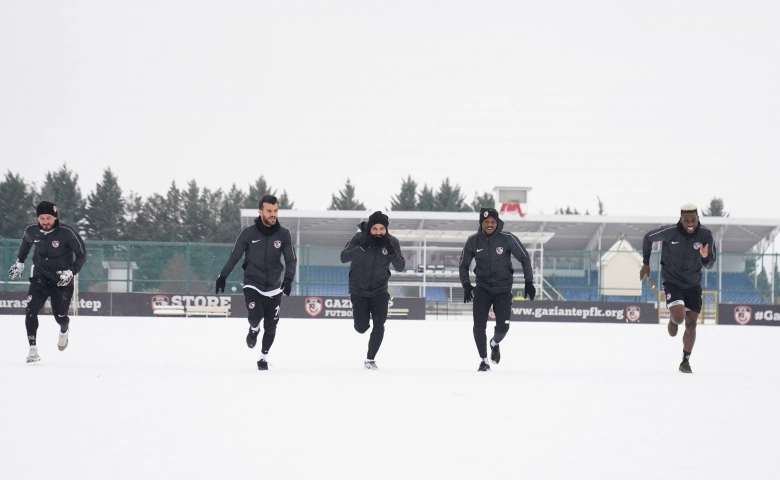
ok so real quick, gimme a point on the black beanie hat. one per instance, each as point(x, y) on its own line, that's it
point(377, 217)
point(487, 212)
point(46, 208)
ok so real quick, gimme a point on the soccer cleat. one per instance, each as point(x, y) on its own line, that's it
point(483, 367)
point(685, 367)
point(33, 357)
point(62, 343)
point(262, 365)
point(370, 365)
point(251, 337)
point(672, 328)
point(495, 354)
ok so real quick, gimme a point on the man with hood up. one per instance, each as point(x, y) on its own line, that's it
point(265, 276)
point(492, 249)
point(371, 252)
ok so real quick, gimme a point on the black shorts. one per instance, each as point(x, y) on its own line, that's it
point(689, 297)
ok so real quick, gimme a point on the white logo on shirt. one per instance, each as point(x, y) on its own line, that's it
point(479, 250)
point(675, 243)
point(255, 241)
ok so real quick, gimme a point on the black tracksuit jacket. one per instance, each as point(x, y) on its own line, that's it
point(680, 259)
point(263, 248)
point(59, 249)
point(370, 269)
point(494, 264)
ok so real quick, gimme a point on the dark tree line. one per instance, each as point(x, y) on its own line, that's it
point(188, 214)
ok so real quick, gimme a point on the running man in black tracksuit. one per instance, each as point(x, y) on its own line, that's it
point(492, 249)
point(265, 276)
point(371, 252)
point(687, 246)
point(60, 253)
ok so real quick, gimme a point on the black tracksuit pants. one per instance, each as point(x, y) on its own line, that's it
point(502, 309)
point(41, 289)
point(376, 308)
point(266, 309)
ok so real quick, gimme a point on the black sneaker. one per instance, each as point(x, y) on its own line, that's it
point(685, 367)
point(251, 337)
point(483, 367)
point(495, 354)
point(262, 365)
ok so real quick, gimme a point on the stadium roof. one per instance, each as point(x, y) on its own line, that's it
point(569, 232)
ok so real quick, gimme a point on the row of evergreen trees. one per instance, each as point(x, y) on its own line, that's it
point(190, 214)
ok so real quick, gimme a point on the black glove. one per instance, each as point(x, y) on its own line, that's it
point(368, 242)
point(468, 293)
point(221, 284)
point(389, 246)
point(287, 286)
point(530, 290)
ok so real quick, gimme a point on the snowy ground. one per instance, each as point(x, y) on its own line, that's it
point(145, 398)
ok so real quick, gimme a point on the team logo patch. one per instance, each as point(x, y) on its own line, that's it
point(499, 250)
point(54, 207)
point(277, 243)
point(668, 296)
point(384, 251)
point(29, 298)
point(313, 306)
point(491, 314)
point(696, 246)
point(55, 244)
point(743, 314)
point(251, 305)
point(159, 301)
point(633, 312)
point(485, 214)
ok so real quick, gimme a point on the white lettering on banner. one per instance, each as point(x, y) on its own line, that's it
point(13, 303)
point(338, 303)
point(200, 300)
point(768, 315)
point(338, 313)
point(569, 312)
point(93, 305)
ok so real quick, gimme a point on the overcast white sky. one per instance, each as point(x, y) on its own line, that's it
point(646, 104)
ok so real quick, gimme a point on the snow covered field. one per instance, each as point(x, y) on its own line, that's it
point(146, 398)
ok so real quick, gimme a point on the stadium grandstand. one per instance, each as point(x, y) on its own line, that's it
point(570, 253)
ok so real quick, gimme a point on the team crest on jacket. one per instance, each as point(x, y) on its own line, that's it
point(696, 246)
point(29, 298)
point(251, 305)
point(499, 250)
point(743, 314)
point(633, 312)
point(313, 306)
point(55, 244)
point(277, 243)
point(384, 251)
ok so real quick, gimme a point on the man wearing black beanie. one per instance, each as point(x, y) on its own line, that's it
point(371, 252)
point(59, 255)
point(492, 249)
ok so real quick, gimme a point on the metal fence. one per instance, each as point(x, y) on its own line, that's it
point(564, 275)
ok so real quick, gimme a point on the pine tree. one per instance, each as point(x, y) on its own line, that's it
point(406, 200)
point(716, 209)
point(346, 199)
point(425, 200)
point(601, 207)
point(105, 213)
point(199, 220)
point(230, 215)
point(256, 191)
point(284, 202)
point(450, 199)
point(485, 200)
point(17, 208)
point(61, 187)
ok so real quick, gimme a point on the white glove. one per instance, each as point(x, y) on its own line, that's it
point(65, 277)
point(16, 270)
